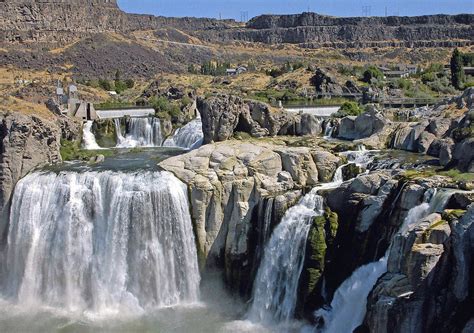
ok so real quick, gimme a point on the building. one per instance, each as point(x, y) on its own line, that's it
point(82, 110)
point(236, 71)
point(469, 70)
point(396, 74)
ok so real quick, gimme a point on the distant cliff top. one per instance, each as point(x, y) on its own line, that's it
point(314, 19)
point(71, 2)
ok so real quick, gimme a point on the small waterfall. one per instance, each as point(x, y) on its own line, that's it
point(275, 287)
point(329, 130)
point(88, 138)
point(190, 136)
point(349, 304)
point(101, 242)
point(140, 132)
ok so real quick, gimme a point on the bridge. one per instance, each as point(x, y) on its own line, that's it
point(125, 112)
point(408, 102)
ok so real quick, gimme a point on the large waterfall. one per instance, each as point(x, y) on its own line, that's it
point(101, 242)
point(190, 136)
point(275, 287)
point(139, 132)
point(348, 307)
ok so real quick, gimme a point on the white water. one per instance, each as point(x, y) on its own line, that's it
point(348, 307)
point(100, 243)
point(88, 138)
point(190, 136)
point(275, 287)
point(328, 131)
point(140, 132)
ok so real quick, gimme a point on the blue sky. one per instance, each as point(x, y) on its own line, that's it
point(233, 8)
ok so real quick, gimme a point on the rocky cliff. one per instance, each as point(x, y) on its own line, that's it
point(235, 187)
point(313, 30)
point(63, 21)
point(27, 142)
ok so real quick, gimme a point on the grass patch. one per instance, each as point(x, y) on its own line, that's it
point(454, 174)
point(72, 151)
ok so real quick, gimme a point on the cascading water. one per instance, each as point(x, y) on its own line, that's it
point(100, 242)
point(348, 307)
point(88, 138)
point(328, 131)
point(140, 132)
point(275, 287)
point(190, 136)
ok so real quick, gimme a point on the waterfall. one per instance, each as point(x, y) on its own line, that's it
point(140, 132)
point(88, 138)
point(190, 136)
point(100, 242)
point(349, 304)
point(328, 131)
point(275, 287)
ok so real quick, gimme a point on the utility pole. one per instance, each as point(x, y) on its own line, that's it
point(244, 16)
point(366, 11)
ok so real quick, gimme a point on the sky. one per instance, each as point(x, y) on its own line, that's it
point(240, 8)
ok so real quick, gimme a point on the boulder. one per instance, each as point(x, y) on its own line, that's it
point(326, 163)
point(463, 155)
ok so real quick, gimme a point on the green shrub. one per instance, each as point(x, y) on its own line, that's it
point(349, 109)
point(105, 84)
point(71, 151)
point(164, 108)
point(370, 73)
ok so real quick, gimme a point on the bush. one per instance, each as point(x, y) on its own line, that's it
point(164, 108)
point(105, 84)
point(428, 77)
point(370, 73)
point(129, 83)
point(404, 84)
point(349, 109)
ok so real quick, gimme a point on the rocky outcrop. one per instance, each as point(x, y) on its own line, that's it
point(230, 184)
point(428, 285)
point(326, 84)
point(223, 115)
point(25, 143)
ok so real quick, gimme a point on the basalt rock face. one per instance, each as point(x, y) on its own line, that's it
point(25, 143)
point(63, 21)
point(429, 282)
point(313, 30)
point(223, 115)
point(238, 193)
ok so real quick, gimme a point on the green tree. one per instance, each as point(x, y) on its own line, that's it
point(457, 71)
point(370, 73)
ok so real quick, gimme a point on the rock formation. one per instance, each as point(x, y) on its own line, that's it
point(25, 143)
point(313, 30)
point(428, 286)
point(63, 21)
point(228, 184)
point(223, 115)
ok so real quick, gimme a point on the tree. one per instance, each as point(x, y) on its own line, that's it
point(457, 71)
point(370, 73)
